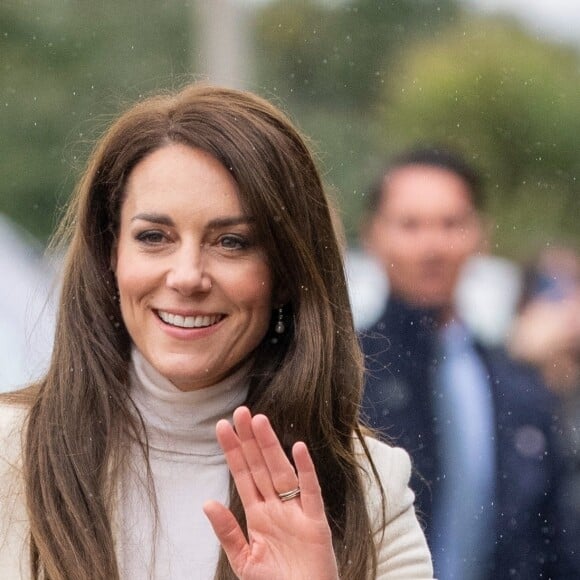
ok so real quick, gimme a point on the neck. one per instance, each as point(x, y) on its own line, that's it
point(183, 421)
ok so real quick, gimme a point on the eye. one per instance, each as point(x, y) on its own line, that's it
point(233, 242)
point(151, 237)
point(452, 223)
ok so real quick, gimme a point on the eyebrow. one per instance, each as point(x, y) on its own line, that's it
point(165, 220)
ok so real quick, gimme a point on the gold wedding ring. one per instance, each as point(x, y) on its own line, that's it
point(288, 495)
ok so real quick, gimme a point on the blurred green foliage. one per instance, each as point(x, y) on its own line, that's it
point(512, 104)
point(339, 55)
point(369, 78)
point(328, 64)
point(363, 78)
point(67, 69)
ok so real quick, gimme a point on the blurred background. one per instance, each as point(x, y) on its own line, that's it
point(498, 79)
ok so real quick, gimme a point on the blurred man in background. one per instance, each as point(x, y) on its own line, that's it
point(478, 425)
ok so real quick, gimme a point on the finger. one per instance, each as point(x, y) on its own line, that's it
point(252, 452)
point(281, 470)
point(228, 532)
point(310, 492)
point(237, 465)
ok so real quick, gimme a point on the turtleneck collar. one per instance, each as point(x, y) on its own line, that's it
point(183, 422)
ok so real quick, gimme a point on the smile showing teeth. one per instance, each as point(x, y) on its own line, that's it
point(189, 321)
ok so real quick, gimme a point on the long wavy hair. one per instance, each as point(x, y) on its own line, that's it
point(309, 384)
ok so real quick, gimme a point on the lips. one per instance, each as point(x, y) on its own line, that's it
point(197, 321)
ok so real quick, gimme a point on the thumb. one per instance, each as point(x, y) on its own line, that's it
point(229, 534)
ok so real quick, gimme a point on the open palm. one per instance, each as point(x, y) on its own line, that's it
point(286, 539)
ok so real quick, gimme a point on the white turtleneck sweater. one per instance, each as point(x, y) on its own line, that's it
point(188, 468)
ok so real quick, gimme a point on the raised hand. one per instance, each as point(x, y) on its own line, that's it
point(289, 539)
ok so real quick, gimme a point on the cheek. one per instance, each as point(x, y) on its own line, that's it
point(134, 279)
point(254, 302)
point(257, 297)
point(463, 247)
point(127, 280)
point(124, 268)
point(251, 290)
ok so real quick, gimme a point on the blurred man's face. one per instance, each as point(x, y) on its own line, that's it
point(423, 232)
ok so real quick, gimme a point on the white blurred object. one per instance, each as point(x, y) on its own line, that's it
point(557, 19)
point(27, 313)
point(224, 48)
point(368, 288)
point(486, 296)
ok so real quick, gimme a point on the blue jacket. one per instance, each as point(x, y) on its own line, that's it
point(533, 537)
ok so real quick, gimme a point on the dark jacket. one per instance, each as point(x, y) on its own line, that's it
point(533, 538)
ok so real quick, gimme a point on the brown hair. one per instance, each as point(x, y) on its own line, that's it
point(308, 384)
point(439, 156)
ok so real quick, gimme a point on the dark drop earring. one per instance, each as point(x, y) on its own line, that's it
point(279, 327)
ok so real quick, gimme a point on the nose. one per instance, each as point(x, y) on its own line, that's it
point(436, 242)
point(187, 273)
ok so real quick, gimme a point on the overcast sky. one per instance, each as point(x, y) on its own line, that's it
point(558, 19)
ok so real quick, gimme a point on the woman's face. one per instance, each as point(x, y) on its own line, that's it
point(195, 287)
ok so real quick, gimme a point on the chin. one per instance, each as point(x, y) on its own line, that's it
point(179, 371)
point(188, 381)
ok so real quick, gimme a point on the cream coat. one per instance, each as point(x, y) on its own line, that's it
point(403, 552)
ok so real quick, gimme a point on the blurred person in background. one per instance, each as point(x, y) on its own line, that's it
point(546, 334)
point(203, 285)
point(478, 425)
